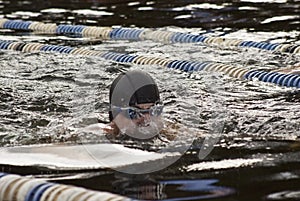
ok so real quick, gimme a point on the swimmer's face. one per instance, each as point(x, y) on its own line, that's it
point(142, 121)
point(144, 118)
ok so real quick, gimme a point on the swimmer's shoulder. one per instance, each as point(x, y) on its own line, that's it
point(174, 128)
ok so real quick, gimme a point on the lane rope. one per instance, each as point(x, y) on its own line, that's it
point(142, 34)
point(18, 188)
point(288, 80)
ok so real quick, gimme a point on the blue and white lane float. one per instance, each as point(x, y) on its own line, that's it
point(18, 188)
point(141, 34)
point(288, 80)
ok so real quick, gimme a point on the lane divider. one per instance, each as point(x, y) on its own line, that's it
point(142, 34)
point(18, 188)
point(288, 80)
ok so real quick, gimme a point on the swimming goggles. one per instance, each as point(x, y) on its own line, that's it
point(135, 112)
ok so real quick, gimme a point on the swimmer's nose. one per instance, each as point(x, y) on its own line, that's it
point(144, 119)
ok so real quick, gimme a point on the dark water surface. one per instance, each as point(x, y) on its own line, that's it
point(44, 96)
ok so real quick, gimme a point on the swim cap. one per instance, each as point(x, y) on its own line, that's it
point(131, 88)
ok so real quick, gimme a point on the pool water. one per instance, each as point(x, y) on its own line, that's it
point(254, 126)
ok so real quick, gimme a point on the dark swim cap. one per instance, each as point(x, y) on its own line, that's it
point(131, 88)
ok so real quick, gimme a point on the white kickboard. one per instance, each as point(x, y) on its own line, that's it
point(74, 157)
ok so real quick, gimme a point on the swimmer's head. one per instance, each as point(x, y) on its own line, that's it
point(132, 88)
point(135, 104)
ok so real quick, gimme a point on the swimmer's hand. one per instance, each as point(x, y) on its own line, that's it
point(108, 129)
point(111, 130)
point(98, 129)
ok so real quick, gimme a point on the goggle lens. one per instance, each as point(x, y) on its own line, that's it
point(135, 113)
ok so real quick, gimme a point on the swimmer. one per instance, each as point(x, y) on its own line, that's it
point(135, 111)
point(135, 106)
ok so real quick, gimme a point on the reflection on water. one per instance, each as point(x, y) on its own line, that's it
point(146, 189)
point(285, 195)
point(45, 97)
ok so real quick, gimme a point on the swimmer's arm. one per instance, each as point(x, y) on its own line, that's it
point(99, 129)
